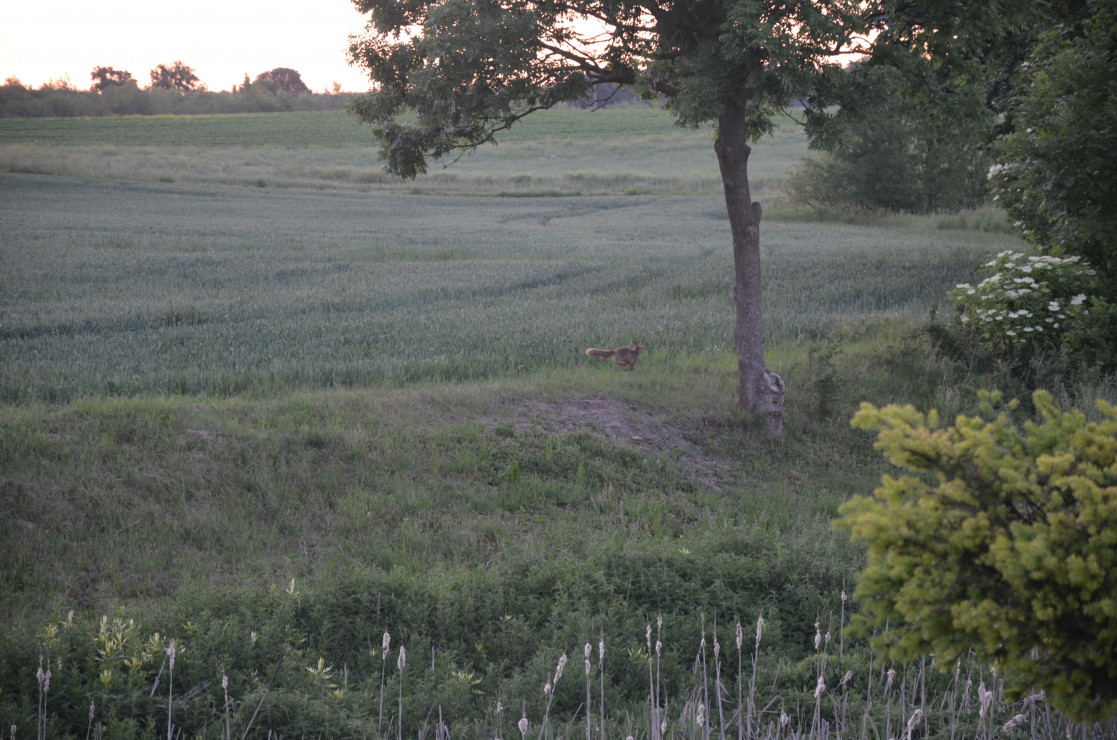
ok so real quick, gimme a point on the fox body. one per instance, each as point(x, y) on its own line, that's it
point(625, 357)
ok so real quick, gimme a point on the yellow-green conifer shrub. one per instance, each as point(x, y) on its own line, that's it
point(1003, 540)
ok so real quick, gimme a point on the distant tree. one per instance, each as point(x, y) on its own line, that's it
point(176, 77)
point(605, 95)
point(281, 78)
point(59, 84)
point(13, 98)
point(895, 137)
point(910, 126)
point(106, 77)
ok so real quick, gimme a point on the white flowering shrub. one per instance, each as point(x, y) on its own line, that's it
point(1026, 301)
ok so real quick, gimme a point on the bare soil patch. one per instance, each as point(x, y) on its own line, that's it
point(623, 423)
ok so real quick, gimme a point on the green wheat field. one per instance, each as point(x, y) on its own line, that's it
point(266, 404)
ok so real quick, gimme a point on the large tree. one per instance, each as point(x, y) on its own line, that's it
point(449, 75)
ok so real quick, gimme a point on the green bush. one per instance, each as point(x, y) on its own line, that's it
point(1031, 305)
point(1003, 541)
point(312, 659)
point(893, 138)
point(1025, 301)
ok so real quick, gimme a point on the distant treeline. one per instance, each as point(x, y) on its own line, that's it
point(60, 100)
point(63, 100)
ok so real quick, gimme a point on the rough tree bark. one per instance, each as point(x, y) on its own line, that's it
point(760, 391)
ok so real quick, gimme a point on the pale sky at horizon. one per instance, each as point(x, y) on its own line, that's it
point(222, 40)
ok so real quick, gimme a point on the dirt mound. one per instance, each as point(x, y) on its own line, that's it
point(624, 423)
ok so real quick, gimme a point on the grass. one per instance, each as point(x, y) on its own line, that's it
point(272, 423)
point(123, 288)
point(558, 151)
point(370, 470)
point(300, 128)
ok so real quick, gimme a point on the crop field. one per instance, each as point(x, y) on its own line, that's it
point(303, 129)
point(262, 400)
point(119, 286)
point(122, 288)
point(562, 151)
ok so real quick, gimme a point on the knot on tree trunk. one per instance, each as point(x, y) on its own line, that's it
point(770, 390)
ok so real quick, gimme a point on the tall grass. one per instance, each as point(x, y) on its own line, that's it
point(823, 695)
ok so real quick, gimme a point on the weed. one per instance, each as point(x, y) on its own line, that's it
point(820, 695)
point(822, 375)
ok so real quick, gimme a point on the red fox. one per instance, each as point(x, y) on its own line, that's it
point(626, 357)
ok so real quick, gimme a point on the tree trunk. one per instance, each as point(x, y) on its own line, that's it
point(760, 391)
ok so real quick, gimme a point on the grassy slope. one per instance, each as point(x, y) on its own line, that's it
point(139, 499)
point(173, 438)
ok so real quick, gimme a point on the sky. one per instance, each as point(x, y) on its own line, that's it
point(221, 40)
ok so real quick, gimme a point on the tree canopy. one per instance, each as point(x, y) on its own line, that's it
point(106, 77)
point(1057, 167)
point(175, 77)
point(281, 78)
point(467, 70)
point(898, 132)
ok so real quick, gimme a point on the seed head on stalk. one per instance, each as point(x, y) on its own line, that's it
point(401, 661)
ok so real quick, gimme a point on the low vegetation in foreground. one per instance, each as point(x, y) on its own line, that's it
point(331, 462)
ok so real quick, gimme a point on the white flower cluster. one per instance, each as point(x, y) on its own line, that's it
point(1025, 296)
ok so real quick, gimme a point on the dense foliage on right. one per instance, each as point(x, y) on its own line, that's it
point(1014, 105)
point(1001, 540)
point(1057, 166)
point(1056, 170)
point(1001, 537)
point(1013, 101)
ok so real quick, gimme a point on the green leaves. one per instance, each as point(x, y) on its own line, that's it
point(895, 134)
point(450, 75)
point(1059, 173)
point(1009, 549)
